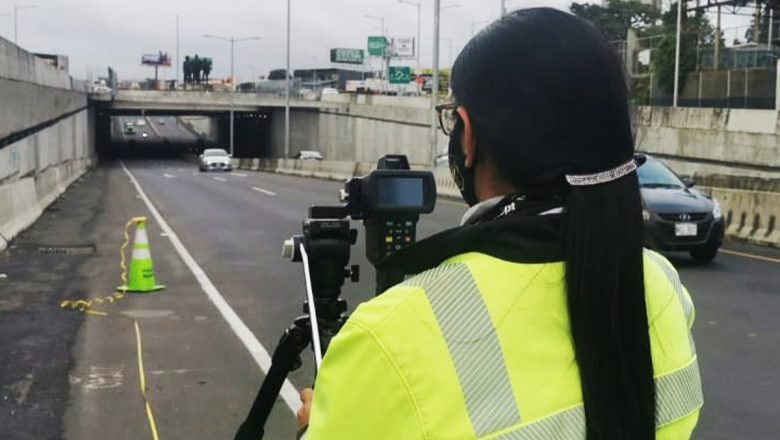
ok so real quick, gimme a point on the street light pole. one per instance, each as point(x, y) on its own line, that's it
point(503, 8)
point(232, 40)
point(418, 4)
point(287, 91)
point(175, 83)
point(16, 20)
point(232, 92)
point(382, 21)
point(435, 90)
point(677, 54)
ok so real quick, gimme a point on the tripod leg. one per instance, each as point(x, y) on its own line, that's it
point(286, 358)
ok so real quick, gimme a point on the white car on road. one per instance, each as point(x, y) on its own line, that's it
point(215, 159)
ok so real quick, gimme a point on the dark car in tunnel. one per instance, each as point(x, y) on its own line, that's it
point(677, 216)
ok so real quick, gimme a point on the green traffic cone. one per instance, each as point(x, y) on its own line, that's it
point(141, 273)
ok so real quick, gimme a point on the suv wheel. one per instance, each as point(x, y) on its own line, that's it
point(704, 254)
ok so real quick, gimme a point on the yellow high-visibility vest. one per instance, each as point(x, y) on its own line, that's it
point(479, 347)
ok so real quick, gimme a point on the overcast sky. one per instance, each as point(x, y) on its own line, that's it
point(95, 34)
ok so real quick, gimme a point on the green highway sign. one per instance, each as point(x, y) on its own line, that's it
point(377, 46)
point(346, 56)
point(400, 75)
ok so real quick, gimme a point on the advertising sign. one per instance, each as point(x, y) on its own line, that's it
point(346, 56)
point(377, 46)
point(399, 75)
point(403, 47)
point(158, 59)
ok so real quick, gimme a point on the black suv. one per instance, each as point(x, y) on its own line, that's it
point(677, 216)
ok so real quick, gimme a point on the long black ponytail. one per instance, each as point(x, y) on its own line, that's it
point(547, 97)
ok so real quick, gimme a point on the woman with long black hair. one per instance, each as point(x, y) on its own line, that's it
point(541, 316)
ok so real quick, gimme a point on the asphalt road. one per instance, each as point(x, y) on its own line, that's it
point(201, 377)
point(158, 129)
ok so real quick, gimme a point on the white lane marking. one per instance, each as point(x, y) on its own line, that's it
point(264, 191)
point(220, 179)
point(170, 176)
point(238, 174)
point(256, 350)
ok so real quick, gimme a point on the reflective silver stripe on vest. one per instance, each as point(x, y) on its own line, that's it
point(473, 345)
point(678, 394)
point(565, 425)
point(686, 304)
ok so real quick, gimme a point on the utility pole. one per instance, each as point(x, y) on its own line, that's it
point(435, 90)
point(677, 55)
point(503, 8)
point(382, 21)
point(232, 40)
point(417, 69)
point(717, 42)
point(17, 8)
point(175, 83)
point(287, 91)
point(232, 92)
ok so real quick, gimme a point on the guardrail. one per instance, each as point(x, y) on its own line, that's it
point(750, 215)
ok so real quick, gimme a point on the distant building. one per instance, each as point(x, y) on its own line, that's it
point(317, 79)
point(655, 3)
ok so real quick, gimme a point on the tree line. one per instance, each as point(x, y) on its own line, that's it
point(617, 17)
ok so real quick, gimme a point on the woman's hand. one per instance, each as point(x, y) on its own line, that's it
point(303, 414)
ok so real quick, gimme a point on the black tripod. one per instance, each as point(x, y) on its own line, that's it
point(327, 243)
point(287, 358)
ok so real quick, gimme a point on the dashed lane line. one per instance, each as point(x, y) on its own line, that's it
point(264, 191)
point(238, 174)
point(170, 176)
point(220, 179)
point(258, 352)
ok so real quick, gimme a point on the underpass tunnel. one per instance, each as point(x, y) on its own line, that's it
point(165, 134)
point(251, 134)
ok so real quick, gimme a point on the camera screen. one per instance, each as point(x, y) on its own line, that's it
point(400, 192)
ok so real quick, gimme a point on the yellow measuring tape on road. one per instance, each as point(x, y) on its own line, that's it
point(141, 280)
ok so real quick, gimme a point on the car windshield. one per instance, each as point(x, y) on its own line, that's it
point(210, 153)
point(654, 174)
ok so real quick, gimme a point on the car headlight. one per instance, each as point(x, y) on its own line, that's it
point(717, 213)
point(645, 215)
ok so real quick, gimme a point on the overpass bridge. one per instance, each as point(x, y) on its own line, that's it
point(195, 102)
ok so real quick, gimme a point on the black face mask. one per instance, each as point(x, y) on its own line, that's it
point(463, 177)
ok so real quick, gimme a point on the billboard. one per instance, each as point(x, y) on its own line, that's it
point(403, 47)
point(346, 56)
point(377, 46)
point(158, 59)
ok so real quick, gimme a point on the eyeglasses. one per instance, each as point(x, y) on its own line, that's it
point(448, 117)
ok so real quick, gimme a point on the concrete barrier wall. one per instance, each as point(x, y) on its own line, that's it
point(47, 134)
point(364, 131)
point(39, 168)
point(710, 141)
point(33, 92)
point(16, 64)
point(751, 216)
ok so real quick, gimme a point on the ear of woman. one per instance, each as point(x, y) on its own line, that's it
point(467, 140)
